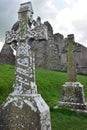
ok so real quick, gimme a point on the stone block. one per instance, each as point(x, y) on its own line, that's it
point(72, 96)
point(24, 112)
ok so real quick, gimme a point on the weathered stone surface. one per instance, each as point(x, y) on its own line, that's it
point(24, 109)
point(60, 43)
point(73, 92)
point(24, 112)
point(46, 52)
point(73, 96)
point(81, 59)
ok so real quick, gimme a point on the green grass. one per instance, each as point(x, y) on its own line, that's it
point(49, 85)
point(6, 80)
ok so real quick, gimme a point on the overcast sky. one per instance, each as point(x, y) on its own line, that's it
point(65, 16)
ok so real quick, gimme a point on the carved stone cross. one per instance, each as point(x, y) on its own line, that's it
point(25, 62)
point(24, 109)
point(71, 66)
point(72, 91)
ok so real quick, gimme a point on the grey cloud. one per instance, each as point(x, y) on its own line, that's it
point(80, 26)
point(7, 16)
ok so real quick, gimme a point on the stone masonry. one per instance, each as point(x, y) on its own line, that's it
point(6, 55)
point(24, 109)
point(51, 53)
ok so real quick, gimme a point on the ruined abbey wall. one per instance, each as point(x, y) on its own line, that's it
point(6, 55)
point(50, 54)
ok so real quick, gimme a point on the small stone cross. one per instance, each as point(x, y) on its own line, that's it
point(25, 62)
point(72, 91)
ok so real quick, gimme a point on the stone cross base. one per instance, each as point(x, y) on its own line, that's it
point(73, 106)
point(25, 112)
point(72, 96)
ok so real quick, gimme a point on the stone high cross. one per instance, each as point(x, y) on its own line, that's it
point(71, 66)
point(25, 64)
point(72, 91)
point(24, 109)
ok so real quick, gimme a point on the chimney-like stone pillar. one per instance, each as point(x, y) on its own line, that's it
point(71, 65)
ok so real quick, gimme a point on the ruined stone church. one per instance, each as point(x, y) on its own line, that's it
point(50, 54)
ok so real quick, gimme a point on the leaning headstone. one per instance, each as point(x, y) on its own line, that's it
point(24, 109)
point(72, 91)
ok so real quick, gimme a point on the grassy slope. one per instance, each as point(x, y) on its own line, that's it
point(49, 86)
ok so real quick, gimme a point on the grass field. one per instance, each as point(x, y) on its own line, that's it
point(49, 86)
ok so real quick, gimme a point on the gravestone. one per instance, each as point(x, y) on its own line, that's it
point(24, 109)
point(72, 91)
